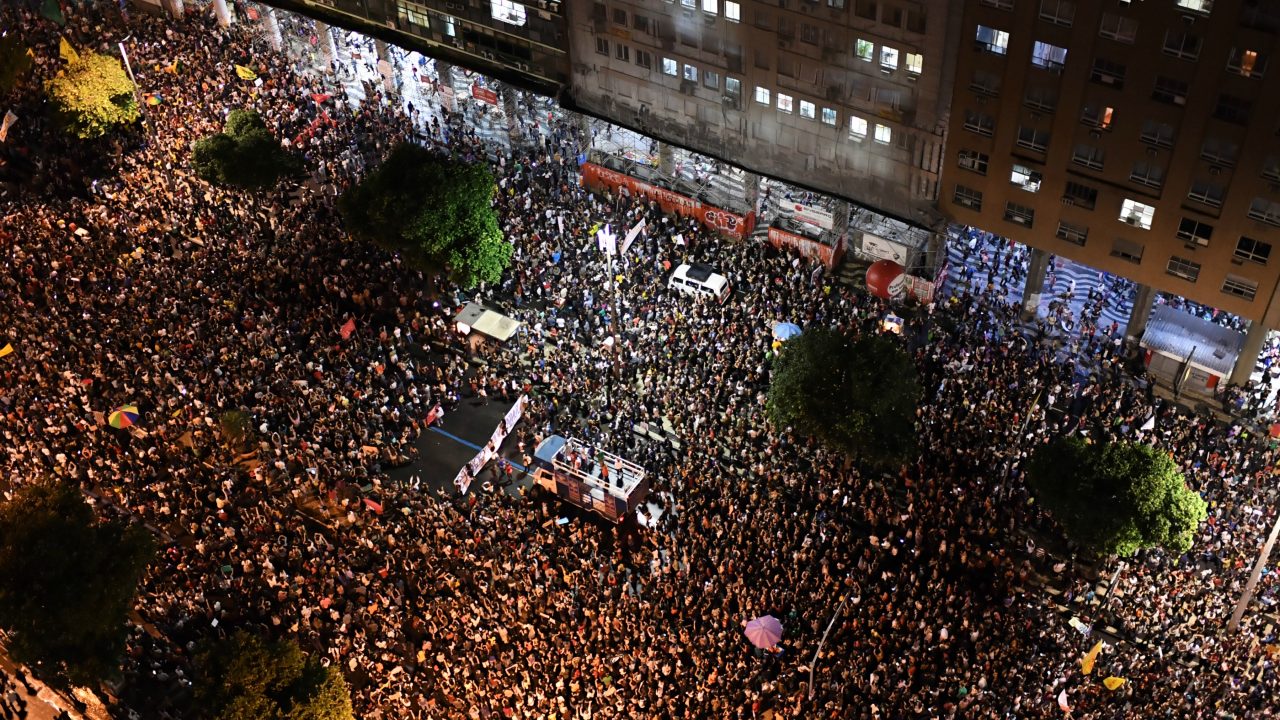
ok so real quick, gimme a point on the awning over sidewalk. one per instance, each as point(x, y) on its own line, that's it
point(475, 316)
point(1178, 335)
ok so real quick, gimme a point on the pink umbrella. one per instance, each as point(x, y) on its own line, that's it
point(764, 632)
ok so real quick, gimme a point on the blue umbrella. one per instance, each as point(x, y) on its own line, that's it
point(785, 331)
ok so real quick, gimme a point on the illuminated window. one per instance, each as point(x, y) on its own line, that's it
point(1200, 6)
point(915, 63)
point(857, 128)
point(670, 67)
point(1246, 63)
point(828, 116)
point(762, 95)
point(511, 13)
point(1136, 214)
point(808, 110)
point(864, 49)
point(883, 134)
point(1025, 178)
point(733, 12)
point(785, 103)
point(889, 58)
point(690, 73)
point(991, 40)
point(1050, 57)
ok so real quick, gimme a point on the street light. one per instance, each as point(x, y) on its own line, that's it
point(607, 241)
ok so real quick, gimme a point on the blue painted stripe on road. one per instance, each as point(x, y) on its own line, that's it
point(472, 445)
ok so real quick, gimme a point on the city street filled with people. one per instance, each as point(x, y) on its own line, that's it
point(126, 279)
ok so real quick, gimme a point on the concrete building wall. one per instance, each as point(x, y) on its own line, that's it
point(1149, 150)
point(846, 97)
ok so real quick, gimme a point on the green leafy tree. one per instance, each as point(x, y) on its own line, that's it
point(437, 211)
point(237, 428)
point(857, 395)
point(1115, 498)
point(92, 95)
point(15, 62)
point(245, 154)
point(248, 678)
point(67, 581)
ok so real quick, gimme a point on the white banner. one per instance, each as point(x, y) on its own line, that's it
point(881, 249)
point(813, 215)
point(632, 234)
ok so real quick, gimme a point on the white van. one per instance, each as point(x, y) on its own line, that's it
point(699, 279)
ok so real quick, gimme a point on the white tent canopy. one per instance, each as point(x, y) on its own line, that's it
point(475, 316)
point(1201, 344)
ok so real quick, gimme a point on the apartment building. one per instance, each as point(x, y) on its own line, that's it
point(524, 42)
point(1139, 138)
point(847, 97)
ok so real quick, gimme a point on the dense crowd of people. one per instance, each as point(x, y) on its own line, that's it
point(128, 280)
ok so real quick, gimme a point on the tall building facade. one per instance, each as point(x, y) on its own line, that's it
point(848, 97)
point(1139, 138)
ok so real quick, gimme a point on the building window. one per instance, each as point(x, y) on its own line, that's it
point(968, 197)
point(1264, 210)
point(1049, 57)
point(992, 40)
point(1253, 250)
point(888, 58)
point(828, 116)
point(1233, 109)
point(1136, 214)
point(1271, 168)
point(711, 7)
point(1079, 195)
point(622, 52)
point(1058, 12)
point(1025, 178)
point(670, 67)
point(644, 59)
point(733, 87)
point(887, 97)
point(809, 33)
point(1097, 117)
point(620, 17)
point(1203, 7)
point(691, 4)
point(997, 4)
point(973, 161)
point(1041, 99)
point(1088, 156)
point(985, 83)
point(1118, 28)
point(1240, 287)
point(511, 13)
point(602, 46)
point(762, 95)
point(837, 4)
point(1219, 152)
point(785, 103)
point(640, 22)
point(1075, 234)
point(883, 134)
point(1195, 232)
point(1157, 133)
point(1188, 270)
point(808, 110)
point(1170, 90)
point(865, 9)
point(857, 128)
point(864, 49)
point(690, 73)
point(1020, 214)
point(1147, 173)
point(732, 11)
point(1110, 74)
point(1126, 250)
point(915, 63)
point(979, 123)
point(1206, 192)
point(1246, 63)
point(1182, 44)
point(1033, 139)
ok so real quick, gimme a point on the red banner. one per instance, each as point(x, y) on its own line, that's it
point(722, 221)
point(484, 94)
point(806, 247)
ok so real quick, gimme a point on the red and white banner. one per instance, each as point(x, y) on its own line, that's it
point(484, 94)
point(812, 215)
point(806, 247)
point(722, 221)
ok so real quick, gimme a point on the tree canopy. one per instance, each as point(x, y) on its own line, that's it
point(857, 395)
point(1115, 498)
point(15, 62)
point(67, 581)
point(247, 678)
point(245, 154)
point(92, 95)
point(437, 211)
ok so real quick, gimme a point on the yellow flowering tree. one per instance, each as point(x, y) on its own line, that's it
point(92, 94)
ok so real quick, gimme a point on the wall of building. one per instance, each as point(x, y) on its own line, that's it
point(1149, 150)
point(844, 97)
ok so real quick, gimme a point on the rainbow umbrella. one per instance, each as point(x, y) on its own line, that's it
point(123, 417)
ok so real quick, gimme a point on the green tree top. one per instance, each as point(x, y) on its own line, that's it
point(858, 395)
point(245, 154)
point(437, 211)
point(248, 678)
point(92, 94)
point(1115, 498)
point(67, 581)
